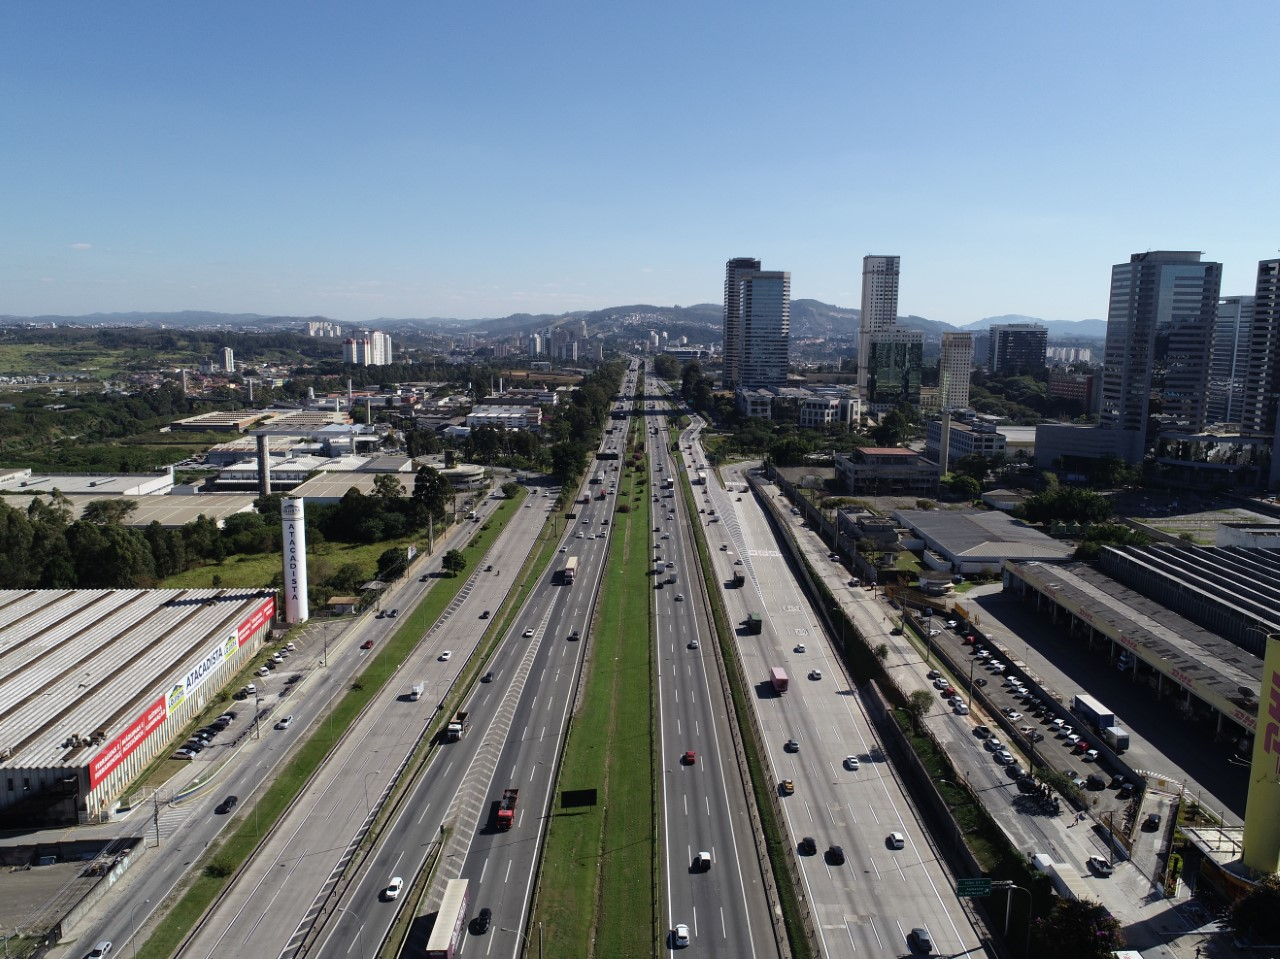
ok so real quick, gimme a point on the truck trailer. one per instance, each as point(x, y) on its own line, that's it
point(457, 727)
point(570, 571)
point(451, 920)
point(739, 580)
point(1095, 715)
point(778, 677)
point(755, 624)
point(507, 808)
point(1117, 738)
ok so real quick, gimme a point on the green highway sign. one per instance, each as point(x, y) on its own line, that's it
point(973, 887)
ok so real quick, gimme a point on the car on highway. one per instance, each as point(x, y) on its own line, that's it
point(851, 762)
point(565, 549)
point(835, 855)
point(791, 746)
point(103, 948)
point(679, 597)
point(528, 633)
point(896, 840)
point(285, 723)
point(681, 936)
point(801, 648)
point(367, 644)
point(961, 709)
point(808, 846)
point(226, 805)
point(480, 924)
point(923, 941)
point(689, 758)
point(487, 677)
point(446, 655)
point(393, 889)
point(737, 562)
point(485, 614)
point(693, 644)
point(815, 674)
point(787, 786)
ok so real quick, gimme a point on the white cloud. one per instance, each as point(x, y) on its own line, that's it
point(82, 246)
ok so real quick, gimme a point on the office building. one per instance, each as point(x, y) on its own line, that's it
point(1014, 348)
point(954, 369)
point(764, 306)
point(1261, 391)
point(1175, 295)
point(228, 360)
point(879, 307)
point(733, 271)
point(1228, 359)
point(893, 362)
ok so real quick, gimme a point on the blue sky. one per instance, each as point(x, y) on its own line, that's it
point(372, 159)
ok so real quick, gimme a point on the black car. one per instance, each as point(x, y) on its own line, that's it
point(487, 677)
point(835, 856)
point(226, 805)
point(808, 847)
point(480, 924)
point(1126, 790)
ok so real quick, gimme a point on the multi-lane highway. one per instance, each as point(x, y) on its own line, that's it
point(869, 903)
point(704, 806)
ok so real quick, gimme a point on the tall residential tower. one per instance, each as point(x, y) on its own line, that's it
point(879, 307)
point(733, 271)
point(954, 370)
point(764, 347)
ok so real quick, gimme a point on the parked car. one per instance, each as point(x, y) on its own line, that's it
point(1152, 822)
point(1099, 866)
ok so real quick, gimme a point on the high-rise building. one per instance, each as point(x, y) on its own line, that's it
point(954, 370)
point(1016, 347)
point(1261, 392)
point(764, 306)
point(1229, 358)
point(367, 348)
point(228, 359)
point(1175, 295)
point(733, 316)
point(879, 307)
point(894, 359)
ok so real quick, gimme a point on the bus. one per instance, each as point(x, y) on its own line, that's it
point(570, 570)
point(450, 921)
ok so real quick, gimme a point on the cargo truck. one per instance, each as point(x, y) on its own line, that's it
point(457, 727)
point(739, 581)
point(415, 692)
point(507, 808)
point(671, 483)
point(1094, 715)
point(778, 677)
point(570, 571)
point(754, 623)
point(671, 576)
point(1117, 738)
point(451, 920)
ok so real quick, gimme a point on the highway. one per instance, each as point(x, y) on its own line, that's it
point(869, 904)
point(704, 806)
point(187, 827)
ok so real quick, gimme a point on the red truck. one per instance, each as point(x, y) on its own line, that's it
point(507, 808)
point(778, 677)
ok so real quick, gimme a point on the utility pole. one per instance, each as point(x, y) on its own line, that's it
point(155, 814)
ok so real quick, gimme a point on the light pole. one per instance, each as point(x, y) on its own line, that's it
point(133, 920)
point(257, 716)
point(368, 808)
point(1008, 911)
point(359, 938)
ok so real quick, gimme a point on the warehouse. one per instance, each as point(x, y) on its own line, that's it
point(95, 683)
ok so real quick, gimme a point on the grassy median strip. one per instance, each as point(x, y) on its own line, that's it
point(597, 892)
point(217, 867)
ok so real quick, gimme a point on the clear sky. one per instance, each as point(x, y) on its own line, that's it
point(474, 159)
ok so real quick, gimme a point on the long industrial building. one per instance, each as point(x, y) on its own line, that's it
point(95, 683)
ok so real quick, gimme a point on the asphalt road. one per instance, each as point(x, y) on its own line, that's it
point(869, 904)
point(704, 807)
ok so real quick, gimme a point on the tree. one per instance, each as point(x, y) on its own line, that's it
point(432, 491)
point(1257, 912)
point(454, 562)
point(104, 512)
point(965, 487)
point(510, 490)
point(972, 464)
point(1077, 929)
point(568, 462)
point(387, 487)
point(666, 367)
point(391, 564)
point(919, 703)
point(1066, 504)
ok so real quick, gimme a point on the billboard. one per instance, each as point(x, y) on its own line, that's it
point(116, 751)
point(294, 534)
point(1262, 817)
point(256, 620)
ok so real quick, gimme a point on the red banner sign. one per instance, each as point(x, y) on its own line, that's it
point(119, 749)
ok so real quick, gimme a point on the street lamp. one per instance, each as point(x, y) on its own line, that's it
point(959, 837)
point(133, 920)
point(367, 806)
point(1008, 911)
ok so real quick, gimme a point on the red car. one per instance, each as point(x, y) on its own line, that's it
point(690, 758)
point(367, 644)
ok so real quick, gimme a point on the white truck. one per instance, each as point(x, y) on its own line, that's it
point(415, 692)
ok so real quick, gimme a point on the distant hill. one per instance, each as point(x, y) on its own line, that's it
point(700, 322)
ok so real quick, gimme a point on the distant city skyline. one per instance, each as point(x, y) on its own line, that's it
point(397, 160)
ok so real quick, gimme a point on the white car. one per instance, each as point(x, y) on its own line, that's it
point(679, 597)
point(850, 762)
point(565, 549)
point(528, 633)
point(393, 888)
point(681, 935)
point(800, 647)
point(446, 655)
point(815, 674)
point(285, 723)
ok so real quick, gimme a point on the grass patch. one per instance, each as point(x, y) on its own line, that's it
point(218, 866)
point(260, 569)
point(597, 892)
